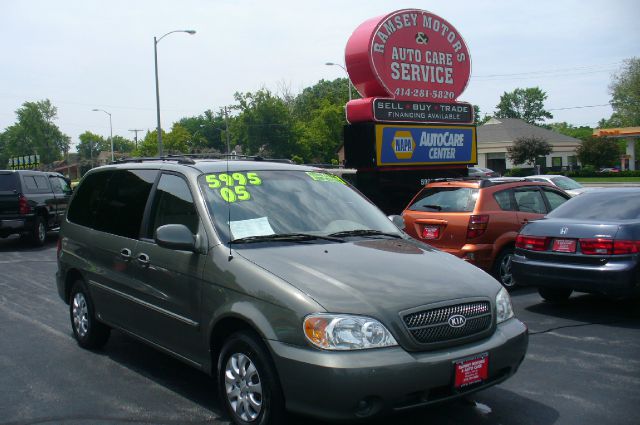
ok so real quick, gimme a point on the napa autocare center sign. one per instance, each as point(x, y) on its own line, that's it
point(425, 145)
point(410, 67)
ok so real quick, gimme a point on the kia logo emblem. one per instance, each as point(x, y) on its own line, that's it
point(457, 321)
point(564, 230)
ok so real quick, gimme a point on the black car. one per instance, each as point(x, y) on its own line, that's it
point(32, 202)
point(591, 243)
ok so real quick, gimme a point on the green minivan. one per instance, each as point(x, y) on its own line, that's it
point(284, 283)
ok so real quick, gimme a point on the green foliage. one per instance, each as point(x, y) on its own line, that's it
point(599, 152)
point(91, 145)
point(516, 172)
point(625, 96)
point(477, 118)
point(525, 104)
point(34, 133)
point(525, 150)
point(582, 132)
point(207, 132)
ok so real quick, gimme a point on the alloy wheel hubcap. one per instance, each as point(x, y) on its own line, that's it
point(243, 386)
point(505, 271)
point(80, 315)
point(42, 234)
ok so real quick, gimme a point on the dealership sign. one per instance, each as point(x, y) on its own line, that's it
point(425, 145)
point(408, 55)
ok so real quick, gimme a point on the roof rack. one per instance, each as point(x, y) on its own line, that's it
point(189, 158)
point(501, 180)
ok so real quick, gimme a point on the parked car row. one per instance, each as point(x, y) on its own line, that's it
point(529, 232)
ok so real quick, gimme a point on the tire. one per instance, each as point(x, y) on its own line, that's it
point(87, 330)
point(248, 385)
point(555, 295)
point(502, 269)
point(39, 232)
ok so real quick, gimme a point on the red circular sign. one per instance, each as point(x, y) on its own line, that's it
point(409, 54)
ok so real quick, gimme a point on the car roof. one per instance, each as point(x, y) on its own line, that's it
point(545, 176)
point(485, 183)
point(199, 166)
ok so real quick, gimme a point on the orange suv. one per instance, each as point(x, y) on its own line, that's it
point(478, 220)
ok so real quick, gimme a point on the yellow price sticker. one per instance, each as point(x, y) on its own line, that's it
point(233, 187)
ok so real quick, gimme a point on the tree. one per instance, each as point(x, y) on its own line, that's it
point(599, 152)
point(91, 145)
point(625, 96)
point(525, 150)
point(477, 118)
point(35, 133)
point(525, 104)
point(582, 132)
point(264, 125)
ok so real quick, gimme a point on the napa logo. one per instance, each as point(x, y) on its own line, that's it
point(403, 144)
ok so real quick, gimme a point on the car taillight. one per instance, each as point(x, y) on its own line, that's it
point(626, 247)
point(596, 246)
point(23, 205)
point(477, 226)
point(609, 247)
point(532, 243)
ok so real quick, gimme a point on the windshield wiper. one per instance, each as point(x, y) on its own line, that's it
point(364, 232)
point(285, 237)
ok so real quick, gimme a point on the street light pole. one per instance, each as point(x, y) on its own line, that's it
point(345, 70)
point(110, 130)
point(155, 57)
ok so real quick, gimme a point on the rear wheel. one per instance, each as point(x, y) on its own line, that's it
point(39, 231)
point(247, 382)
point(502, 268)
point(555, 295)
point(86, 329)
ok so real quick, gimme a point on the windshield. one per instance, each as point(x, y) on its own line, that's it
point(289, 203)
point(566, 183)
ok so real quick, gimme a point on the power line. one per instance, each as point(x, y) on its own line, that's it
point(591, 68)
point(578, 107)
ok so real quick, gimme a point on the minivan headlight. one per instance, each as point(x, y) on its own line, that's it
point(504, 309)
point(346, 332)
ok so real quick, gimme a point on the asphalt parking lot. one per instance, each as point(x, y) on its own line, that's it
point(582, 367)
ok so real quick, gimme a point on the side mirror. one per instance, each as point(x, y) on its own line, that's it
point(398, 221)
point(175, 236)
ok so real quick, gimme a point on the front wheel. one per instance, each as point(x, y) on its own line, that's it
point(502, 269)
point(247, 382)
point(87, 330)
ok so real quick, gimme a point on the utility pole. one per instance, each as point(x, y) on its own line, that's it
point(226, 124)
point(135, 138)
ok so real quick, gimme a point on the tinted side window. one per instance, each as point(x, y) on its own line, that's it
point(125, 198)
point(30, 184)
point(55, 184)
point(530, 201)
point(41, 182)
point(503, 198)
point(555, 199)
point(173, 204)
point(86, 202)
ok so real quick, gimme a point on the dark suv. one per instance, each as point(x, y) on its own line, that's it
point(32, 202)
point(283, 282)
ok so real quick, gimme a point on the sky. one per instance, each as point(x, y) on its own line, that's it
point(91, 54)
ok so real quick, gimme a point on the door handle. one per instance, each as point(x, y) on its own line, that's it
point(143, 259)
point(125, 253)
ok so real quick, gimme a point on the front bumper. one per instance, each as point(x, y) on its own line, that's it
point(617, 277)
point(358, 384)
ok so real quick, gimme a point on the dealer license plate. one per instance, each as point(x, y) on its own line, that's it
point(564, 245)
point(471, 371)
point(431, 232)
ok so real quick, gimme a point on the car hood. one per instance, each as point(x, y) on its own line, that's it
point(374, 277)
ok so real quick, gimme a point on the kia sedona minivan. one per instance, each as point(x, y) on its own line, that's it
point(284, 283)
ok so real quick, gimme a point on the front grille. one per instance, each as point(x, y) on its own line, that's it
point(432, 325)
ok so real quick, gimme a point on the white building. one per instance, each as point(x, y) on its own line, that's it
point(499, 133)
